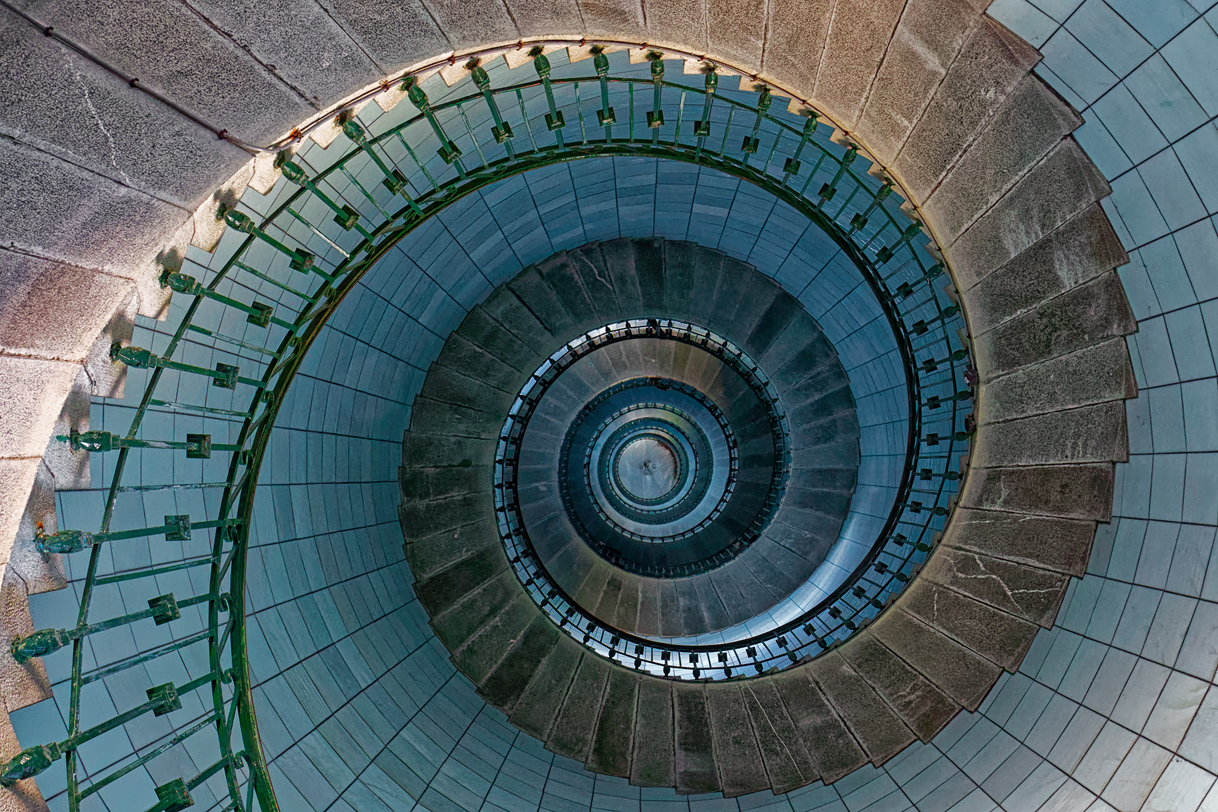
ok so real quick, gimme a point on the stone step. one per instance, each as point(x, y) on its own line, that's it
point(541, 699)
point(782, 311)
point(430, 553)
point(1073, 254)
point(737, 755)
point(1090, 434)
point(423, 519)
point(680, 262)
point(1096, 374)
point(456, 616)
point(446, 385)
point(589, 265)
point(1063, 491)
point(504, 686)
point(855, 43)
point(1028, 592)
point(1082, 317)
point(966, 677)
point(924, 708)
point(648, 271)
point(488, 647)
point(783, 752)
point(1063, 545)
point(576, 721)
point(613, 739)
point(831, 748)
point(536, 296)
point(1001, 638)
point(438, 450)
point(468, 358)
point(437, 418)
point(506, 321)
point(619, 258)
point(422, 484)
point(694, 741)
point(878, 729)
point(654, 760)
point(560, 275)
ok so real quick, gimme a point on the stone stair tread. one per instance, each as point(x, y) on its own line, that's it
point(843, 454)
point(495, 338)
point(1031, 121)
point(740, 592)
point(1063, 545)
point(1062, 185)
point(1062, 491)
point(433, 450)
point(854, 48)
point(654, 762)
point(778, 316)
point(783, 752)
point(626, 613)
point(470, 359)
point(541, 300)
point(456, 621)
point(829, 744)
point(1000, 637)
point(841, 480)
point(1032, 593)
point(431, 553)
point(441, 483)
point(540, 701)
point(878, 729)
point(1095, 374)
point(619, 259)
point(479, 655)
point(649, 272)
point(694, 741)
point(589, 265)
point(826, 430)
point(613, 741)
point(737, 755)
point(811, 544)
point(560, 274)
point(421, 519)
point(924, 708)
point(1070, 255)
point(1094, 433)
point(504, 686)
point(505, 307)
point(429, 416)
point(963, 675)
point(679, 292)
point(707, 276)
point(987, 68)
point(449, 386)
point(1082, 317)
point(576, 721)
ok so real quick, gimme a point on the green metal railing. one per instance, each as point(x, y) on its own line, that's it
point(220, 387)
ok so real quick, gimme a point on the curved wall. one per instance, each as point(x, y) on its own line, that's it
point(1114, 708)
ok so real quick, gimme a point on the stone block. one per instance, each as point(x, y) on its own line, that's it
point(780, 313)
point(619, 259)
point(694, 741)
point(25, 683)
point(456, 584)
point(680, 260)
point(988, 67)
point(589, 265)
point(706, 279)
point(1097, 374)
point(32, 399)
point(626, 613)
point(396, 34)
point(858, 37)
point(737, 757)
point(923, 46)
point(874, 724)
point(1066, 491)
point(737, 31)
point(1032, 120)
point(543, 302)
point(1090, 434)
point(1028, 592)
point(795, 43)
point(613, 742)
point(1062, 185)
point(1079, 318)
point(964, 676)
point(469, 359)
point(497, 339)
point(783, 752)
point(1001, 638)
point(467, 28)
point(615, 19)
point(559, 273)
point(431, 553)
point(509, 311)
point(572, 733)
point(423, 484)
point(456, 617)
point(479, 656)
point(554, 18)
point(1084, 247)
point(653, 764)
point(420, 519)
point(430, 416)
point(1061, 545)
point(833, 751)
point(923, 707)
point(437, 451)
point(504, 686)
point(449, 386)
point(538, 706)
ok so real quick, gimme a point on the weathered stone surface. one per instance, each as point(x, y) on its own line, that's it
point(833, 751)
point(741, 40)
point(464, 356)
point(653, 762)
point(431, 450)
point(394, 33)
point(678, 24)
point(504, 686)
point(478, 656)
point(1061, 186)
point(1090, 434)
point(503, 327)
point(430, 416)
point(924, 707)
point(613, 742)
point(795, 43)
point(1031, 593)
point(680, 259)
point(963, 675)
point(1062, 545)
point(1032, 120)
point(542, 303)
point(27, 683)
point(450, 386)
point(990, 64)
point(421, 484)
point(560, 274)
point(619, 259)
point(589, 265)
point(31, 400)
point(1080, 318)
point(576, 722)
point(1093, 375)
point(617, 19)
point(858, 36)
point(875, 725)
point(425, 518)
point(1078, 251)
point(695, 758)
point(467, 27)
point(549, 18)
point(926, 40)
point(786, 759)
point(1001, 638)
point(737, 757)
point(539, 704)
point(466, 595)
point(1067, 491)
